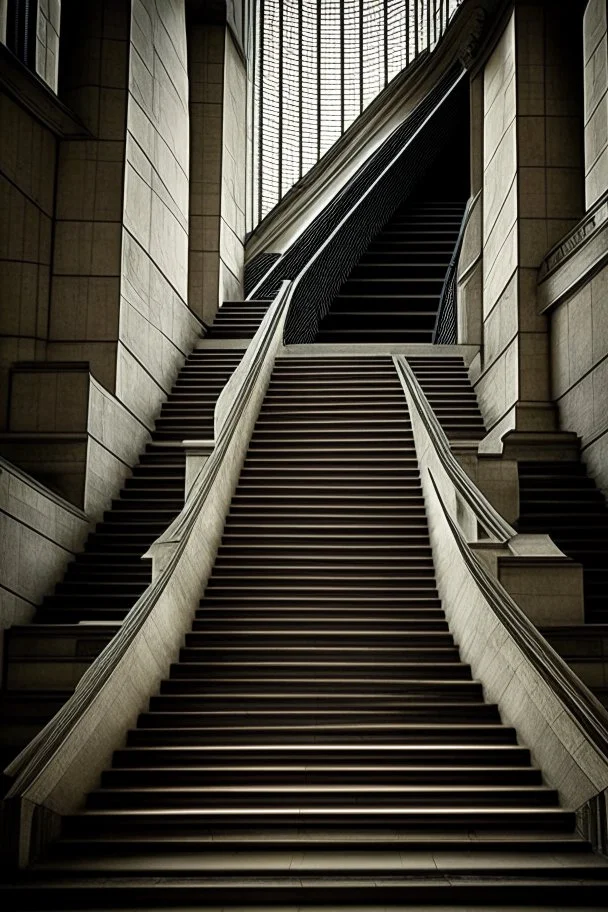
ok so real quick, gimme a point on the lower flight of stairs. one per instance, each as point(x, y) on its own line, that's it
point(559, 499)
point(46, 659)
point(392, 294)
point(319, 741)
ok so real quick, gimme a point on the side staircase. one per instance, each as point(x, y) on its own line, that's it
point(45, 660)
point(319, 742)
point(560, 499)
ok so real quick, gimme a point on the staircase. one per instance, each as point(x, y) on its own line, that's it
point(559, 499)
point(445, 383)
point(392, 294)
point(238, 319)
point(46, 659)
point(319, 742)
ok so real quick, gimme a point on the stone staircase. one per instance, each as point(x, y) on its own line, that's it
point(45, 659)
point(559, 498)
point(319, 742)
point(238, 319)
point(392, 294)
point(445, 382)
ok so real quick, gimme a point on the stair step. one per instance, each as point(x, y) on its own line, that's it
point(393, 797)
point(199, 819)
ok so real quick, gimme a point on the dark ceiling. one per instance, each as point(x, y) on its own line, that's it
point(206, 10)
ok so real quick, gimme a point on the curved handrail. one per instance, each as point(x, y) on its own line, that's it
point(37, 754)
point(587, 710)
point(448, 290)
point(228, 406)
point(488, 517)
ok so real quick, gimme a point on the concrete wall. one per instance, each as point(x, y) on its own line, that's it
point(579, 324)
point(497, 387)
point(39, 534)
point(579, 347)
point(234, 173)
point(218, 188)
point(86, 267)
point(27, 177)
point(115, 438)
point(532, 195)
point(595, 59)
point(47, 41)
point(206, 46)
point(156, 328)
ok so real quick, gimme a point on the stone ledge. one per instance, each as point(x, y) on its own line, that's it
point(33, 94)
point(575, 259)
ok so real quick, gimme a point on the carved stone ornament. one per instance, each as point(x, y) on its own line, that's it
point(469, 50)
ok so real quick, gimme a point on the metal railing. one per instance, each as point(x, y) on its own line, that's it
point(445, 331)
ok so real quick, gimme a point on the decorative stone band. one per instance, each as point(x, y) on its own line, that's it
point(65, 759)
point(576, 258)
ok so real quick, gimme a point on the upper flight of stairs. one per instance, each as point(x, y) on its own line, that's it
point(319, 740)
point(392, 294)
point(45, 660)
point(559, 499)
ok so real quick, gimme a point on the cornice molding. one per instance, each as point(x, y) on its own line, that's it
point(573, 261)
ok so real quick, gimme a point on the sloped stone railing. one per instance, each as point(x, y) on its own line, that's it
point(555, 715)
point(547, 584)
point(64, 761)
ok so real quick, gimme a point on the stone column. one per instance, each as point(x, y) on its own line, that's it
point(533, 193)
point(85, 291)
point(218, 168)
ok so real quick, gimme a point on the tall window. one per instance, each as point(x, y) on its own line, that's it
point(21, 30)
point(319, 63)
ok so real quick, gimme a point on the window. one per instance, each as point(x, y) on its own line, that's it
point(319, 63)
point(21, 30)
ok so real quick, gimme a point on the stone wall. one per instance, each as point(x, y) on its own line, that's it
point(47, 41)
point(86, 269)
point(218, 188)
point(206, 45)
point(595, 58)
point(233, 189)
point(532, 196)
point(39, 534)
point(579, 336)
point(27, 184)
point(497, 386)
point(156, 328)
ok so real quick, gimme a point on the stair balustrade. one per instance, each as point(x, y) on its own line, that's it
point(533, 686)
point(65, 759)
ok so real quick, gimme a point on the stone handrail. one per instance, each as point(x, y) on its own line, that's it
point(65, 759)
point(495, 526)
point(555, 715)
point(589, 713)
